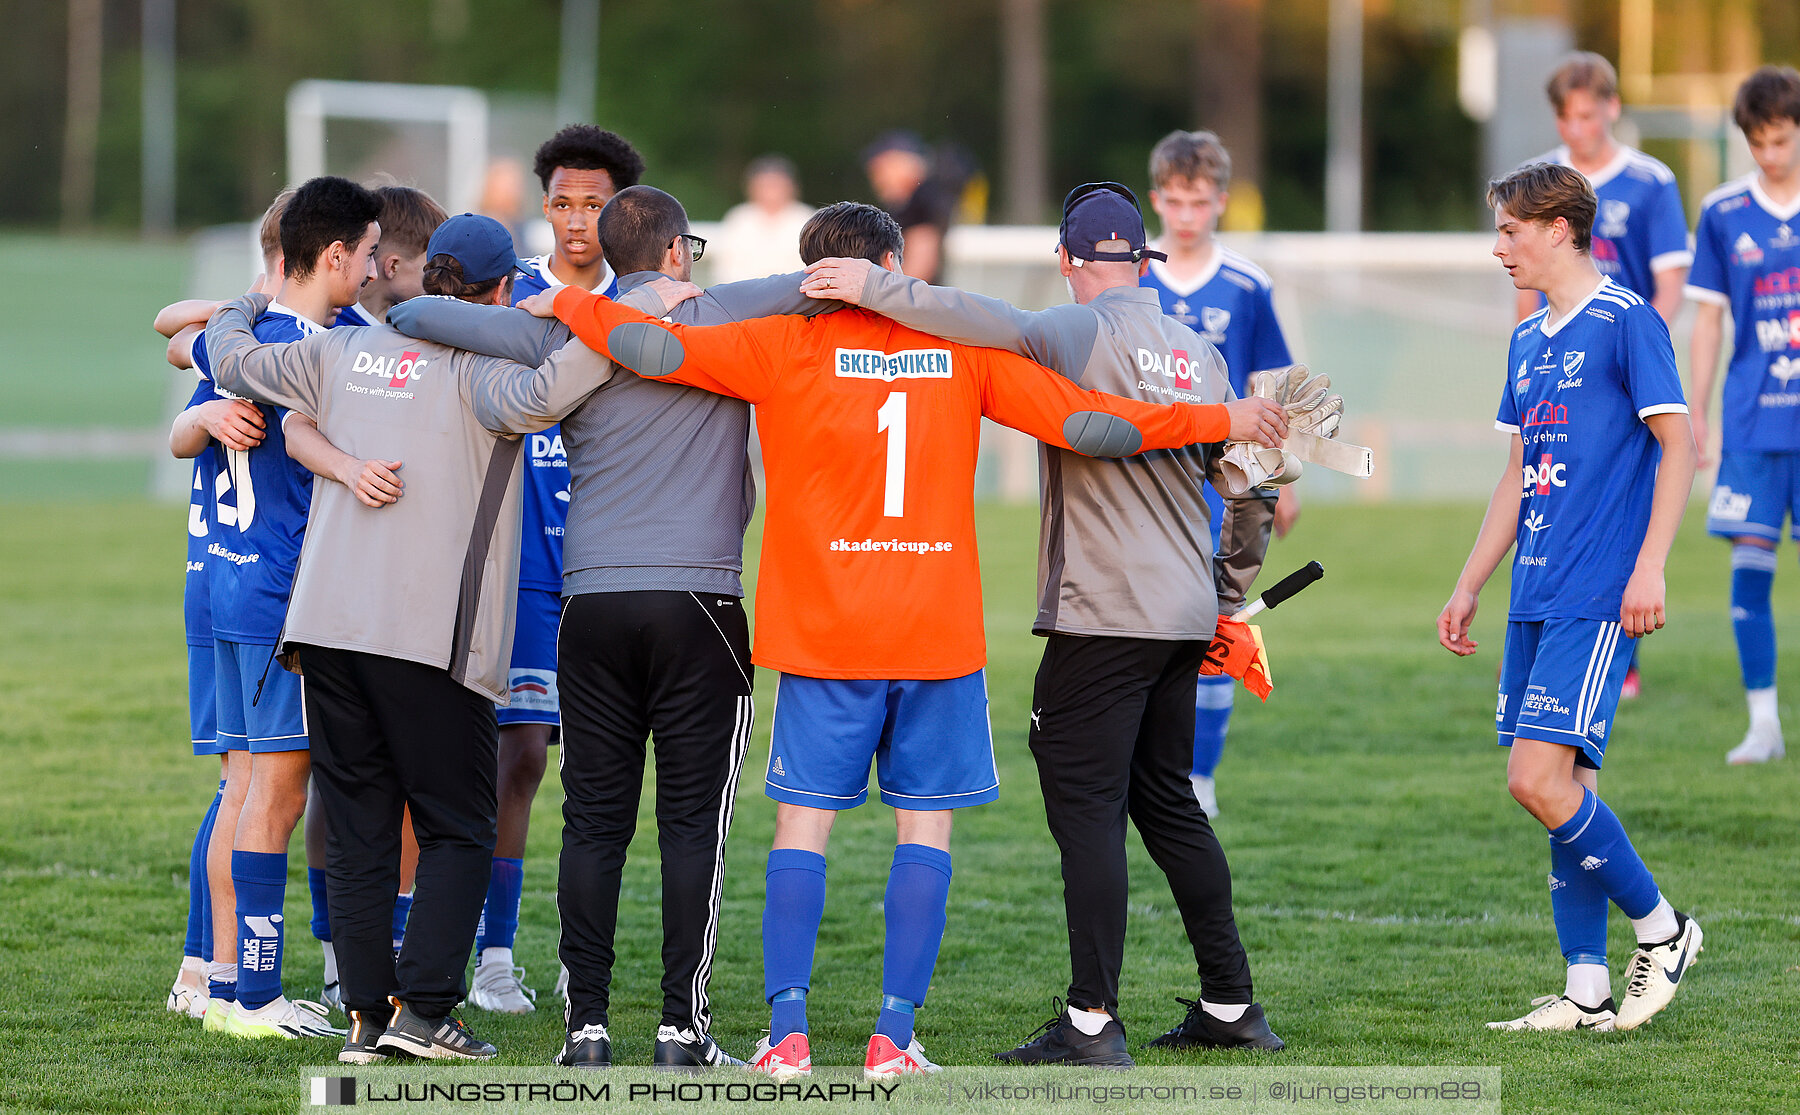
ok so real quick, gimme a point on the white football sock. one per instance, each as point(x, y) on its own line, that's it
point(221, 972)
point(495, 955)
point(1089, 1022)
point(1763, 710)
point(1656, 926)
point(331, 972)
point(1588, 984)
point(1225, 1012)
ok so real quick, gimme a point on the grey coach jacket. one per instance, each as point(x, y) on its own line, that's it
point(434, 577)
point(1125, 546)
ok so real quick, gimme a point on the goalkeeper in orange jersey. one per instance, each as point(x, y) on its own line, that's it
point(869, 594)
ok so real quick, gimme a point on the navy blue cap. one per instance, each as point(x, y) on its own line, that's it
point(480, 244)
point(1104, 213)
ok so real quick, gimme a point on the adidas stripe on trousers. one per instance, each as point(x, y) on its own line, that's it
point(672, 667)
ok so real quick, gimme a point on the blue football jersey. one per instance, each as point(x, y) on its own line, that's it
point(353, 314)
point(1640, 227)
point(1747, 259)
point(1228, 304)
point(1578, 394)
point(545, 505)
point(196, 590)
point(260, 501)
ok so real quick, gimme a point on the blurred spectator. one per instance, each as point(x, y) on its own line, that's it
point(503, 197)
point(761, 236)
point(900, 171)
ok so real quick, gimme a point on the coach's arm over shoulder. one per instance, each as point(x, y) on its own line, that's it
point(511, 398)
point(287, 374)
point(502, 331)
point(1060, 338)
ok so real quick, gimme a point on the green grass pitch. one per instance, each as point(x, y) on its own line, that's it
point(1390, 893)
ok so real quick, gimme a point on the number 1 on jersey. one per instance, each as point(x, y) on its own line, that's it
point(892, 419)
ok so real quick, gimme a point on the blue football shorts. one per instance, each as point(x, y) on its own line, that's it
point(203, 701)
point(1753, 493)
point(1560, 682)
point(275, 719)
point(532, 678)
point(930, 742)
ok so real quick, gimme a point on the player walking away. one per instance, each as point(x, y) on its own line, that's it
point(581, 168)
point(1602, 460)
point(328, 235)
point(653, 639)
point(403, 669)
point(1226, 299)
point(869, 590)
point(1747, 259)
point(1640, 238)
point(1112, 729)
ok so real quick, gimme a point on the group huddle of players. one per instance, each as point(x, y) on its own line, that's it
point(254, 467)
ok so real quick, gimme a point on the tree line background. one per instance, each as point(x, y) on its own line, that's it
point(703, 86)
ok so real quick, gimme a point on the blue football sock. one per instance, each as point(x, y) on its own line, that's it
point(917, 892)
point(402, 907)
point(199, 924)
point(500, 915)
point(261, 881)
point(321, 923)
point(793, 905)
point(1752, 619)
point(1600, 848)
point(221, 981)
point(1212, 717)
point(1578, 906)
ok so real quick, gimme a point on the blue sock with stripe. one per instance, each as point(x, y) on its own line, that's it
point(1212, 717)
point(500, 914)
point(198, 941)
point(1597, 842)
point(402, 908)
point(1752, 618)
point(918, 893)
point(1578, 907)
point(261, 881)
point(321, 922)
point(793, 906)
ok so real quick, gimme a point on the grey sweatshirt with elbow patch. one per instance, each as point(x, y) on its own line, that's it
point(660, 487)
point(434, 577)
point(1125, 546)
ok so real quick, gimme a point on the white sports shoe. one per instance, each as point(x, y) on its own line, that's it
point(1205, 794)
point(501, 988)
point(1559, 1012)
point(787, 1059)
point(283, 1018)
point(185, 998)
point(1654, 974)
point(333, 997)
point(1761, 744)
point(884, 1059)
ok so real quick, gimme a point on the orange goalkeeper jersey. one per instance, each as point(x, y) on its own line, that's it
point(870, 433)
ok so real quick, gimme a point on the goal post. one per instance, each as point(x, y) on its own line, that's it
point(435, 135)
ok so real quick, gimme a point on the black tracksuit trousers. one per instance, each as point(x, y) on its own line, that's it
point(1113, 735)
point(386, 734)
point(673, 666)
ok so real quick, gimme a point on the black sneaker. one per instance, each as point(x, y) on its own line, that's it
point(1200, 1030)
point(411, 1032)
point(1058, 1042)
point(359, 1046)
point(587, 1048)
point(683, 1049)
